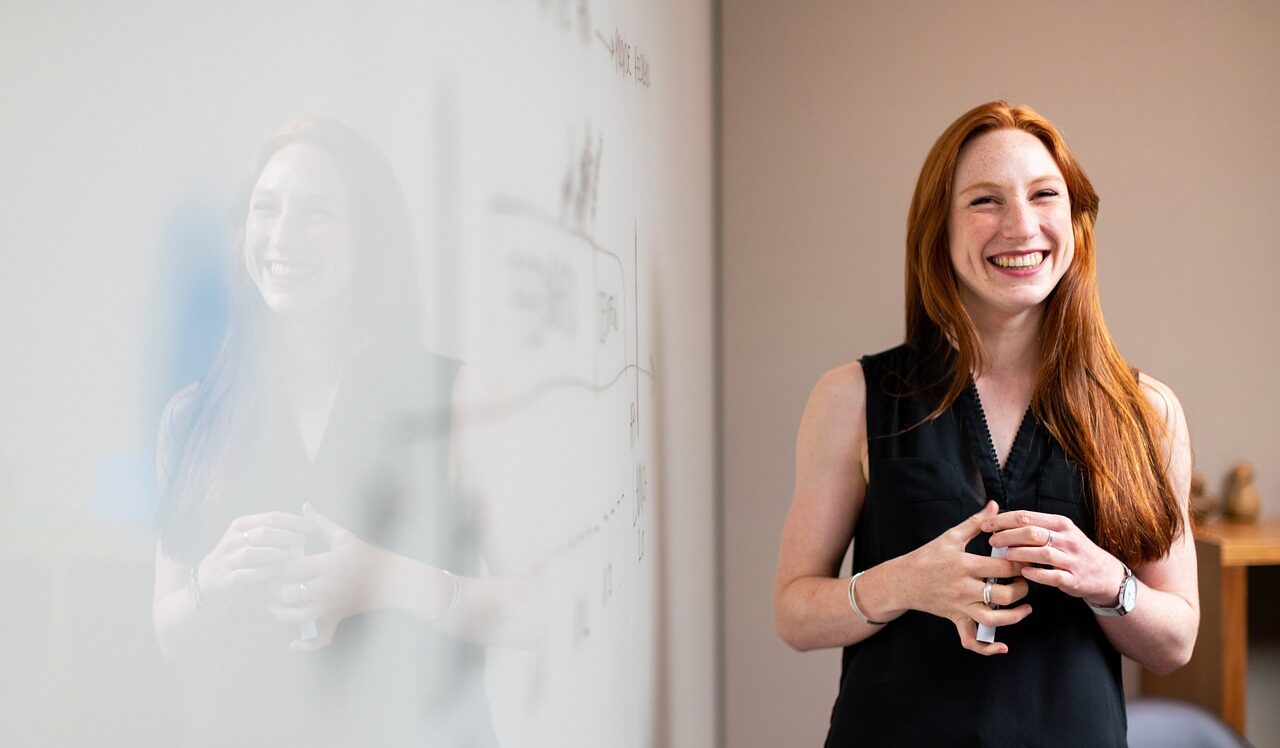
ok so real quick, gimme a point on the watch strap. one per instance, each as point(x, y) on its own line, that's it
point(1119, 608)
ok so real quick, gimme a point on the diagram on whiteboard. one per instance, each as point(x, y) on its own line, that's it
point(558, 280)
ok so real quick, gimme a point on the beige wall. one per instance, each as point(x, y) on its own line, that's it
point(828, 109)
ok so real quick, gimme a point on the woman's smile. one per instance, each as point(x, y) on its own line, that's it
point(291, 271)
point(1019, 263)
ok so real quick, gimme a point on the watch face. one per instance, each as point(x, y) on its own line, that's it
point(1129, 594)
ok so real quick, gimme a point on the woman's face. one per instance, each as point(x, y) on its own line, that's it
point(297, 238)
point(1009, 224)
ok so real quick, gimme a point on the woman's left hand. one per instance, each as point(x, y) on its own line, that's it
point(1078, 566)
point(328, 587)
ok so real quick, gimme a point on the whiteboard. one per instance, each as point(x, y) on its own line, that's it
point(556, 160)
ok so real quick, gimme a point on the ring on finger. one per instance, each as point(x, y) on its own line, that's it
point(302, 592)
point(986, 593)
point(244, 536)
point(1049, 543)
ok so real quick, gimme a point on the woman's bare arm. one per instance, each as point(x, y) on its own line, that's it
point(1160, 633)
point(810, 603)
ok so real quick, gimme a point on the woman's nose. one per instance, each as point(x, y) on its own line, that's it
point(287, 230)
point(1020, 222)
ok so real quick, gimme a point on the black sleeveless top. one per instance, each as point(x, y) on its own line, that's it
point(386, 679)
point(912, 683)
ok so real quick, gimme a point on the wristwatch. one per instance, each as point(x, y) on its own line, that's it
point(1128, 596)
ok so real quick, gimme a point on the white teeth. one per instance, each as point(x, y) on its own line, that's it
point(289, 270)
point(1021, 261)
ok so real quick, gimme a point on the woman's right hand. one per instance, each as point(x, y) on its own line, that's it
point(248, 552)
point(946, 581)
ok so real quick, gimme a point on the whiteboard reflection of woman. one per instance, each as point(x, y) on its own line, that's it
point(321, 559)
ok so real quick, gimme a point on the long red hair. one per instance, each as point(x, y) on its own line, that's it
point(1085, 392)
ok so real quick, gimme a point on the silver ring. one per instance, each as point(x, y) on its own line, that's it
point(986, 593)
point(245, 537)
point(302, 592)
point(1049, 543)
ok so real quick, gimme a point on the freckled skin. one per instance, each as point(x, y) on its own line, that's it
point(1008, 197)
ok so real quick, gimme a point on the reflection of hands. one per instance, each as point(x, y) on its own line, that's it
point(947, 582)
point(330, 586)
point(246, 553)
point(1079, 567)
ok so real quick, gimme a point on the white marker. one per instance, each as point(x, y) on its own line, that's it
point(987, 634)
point(306, 631)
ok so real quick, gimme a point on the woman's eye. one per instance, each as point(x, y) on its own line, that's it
point(1046, 193)
point(984, 200)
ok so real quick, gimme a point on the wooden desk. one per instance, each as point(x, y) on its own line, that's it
point(1216, 676)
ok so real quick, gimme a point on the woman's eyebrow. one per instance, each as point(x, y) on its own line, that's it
point(980, 186)
point(318, 197)
point(995, 186)
point(309, 198)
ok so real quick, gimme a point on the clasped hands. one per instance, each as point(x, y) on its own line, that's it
point(1047, 549)
point(324, 587)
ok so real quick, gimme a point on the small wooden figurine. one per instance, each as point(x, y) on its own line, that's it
point(1242, 498)
point(1203, 504)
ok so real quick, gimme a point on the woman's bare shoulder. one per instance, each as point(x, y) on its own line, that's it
point(1161, 397)
point(844, 386)
point(1177, 438)
point(837, 404)
point(178, 409)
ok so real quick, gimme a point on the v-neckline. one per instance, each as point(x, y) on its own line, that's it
point(985, 445)
point(310, 456)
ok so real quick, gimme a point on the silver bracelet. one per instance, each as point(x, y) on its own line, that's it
point(454, 597)
point(194, 594)
point(853, 601)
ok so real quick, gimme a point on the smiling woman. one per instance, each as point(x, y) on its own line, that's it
point(1009, 226)
point(321, 560)
point(1011, 487)
point(297, 239)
